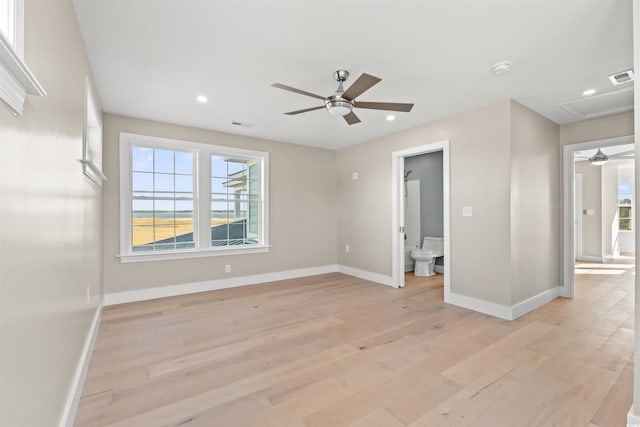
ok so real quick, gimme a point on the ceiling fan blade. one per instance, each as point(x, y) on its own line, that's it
point(623, 154)
point(300, 91)
point(363, 83)
point(293, 113)
point(390, 106)
point(351, 118)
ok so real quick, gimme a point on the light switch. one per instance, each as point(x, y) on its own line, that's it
point(467, 211)
point(590, 211)
point(354, 175)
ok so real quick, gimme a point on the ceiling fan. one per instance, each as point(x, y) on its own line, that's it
point(601, 158)
point(342, 102)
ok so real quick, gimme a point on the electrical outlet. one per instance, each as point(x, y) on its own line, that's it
point(227, 268)
point(347, 248)
point(88, 294)
point(354, 175)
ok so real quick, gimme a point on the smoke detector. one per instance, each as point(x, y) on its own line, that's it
point(501, 67)
point(621, 77)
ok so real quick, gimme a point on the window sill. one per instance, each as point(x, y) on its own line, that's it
point(625, 231)
point(166, 256)
point(16, 80)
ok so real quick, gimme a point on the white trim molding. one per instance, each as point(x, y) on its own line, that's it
point(397, 209)
point(530, 304)
point(367, 275)
point(500, 310)
point(591, 258)
point(16, 80)
point(633, 420)
point(212, 285)
point(77, 384)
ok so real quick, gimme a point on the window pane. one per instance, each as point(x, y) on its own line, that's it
point(625, 212)
point(163, 182)
point(235, 166)
point(142, 181)
point(184, 184)
point(625, 224)
point(218, 166)
point(218, 186)
point(163, 161)
point(184, 162)
point(142, 159)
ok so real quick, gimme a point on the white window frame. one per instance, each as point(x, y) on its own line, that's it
point(202, 199)
point(16, 80)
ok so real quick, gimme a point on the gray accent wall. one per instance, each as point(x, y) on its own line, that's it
point(428, 169)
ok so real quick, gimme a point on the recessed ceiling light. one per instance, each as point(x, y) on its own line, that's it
point(391, 117)
point(201, 99)
point(589, 92)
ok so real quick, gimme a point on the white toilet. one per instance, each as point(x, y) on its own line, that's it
point(425, 258)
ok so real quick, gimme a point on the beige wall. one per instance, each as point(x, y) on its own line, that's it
point(505, 163)
point(594, 129)
point(480, 173)
point(536, 240)
point(50, 226)
point(302, 211)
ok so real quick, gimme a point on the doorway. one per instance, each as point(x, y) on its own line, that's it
point(398, 210)
point(576, 211)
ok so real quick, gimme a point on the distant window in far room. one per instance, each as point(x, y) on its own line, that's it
point(625, 202)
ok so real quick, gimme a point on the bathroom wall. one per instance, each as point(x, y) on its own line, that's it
point(428, 169)
point(50, 226)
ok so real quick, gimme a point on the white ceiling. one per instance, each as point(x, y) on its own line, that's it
point(150, 58)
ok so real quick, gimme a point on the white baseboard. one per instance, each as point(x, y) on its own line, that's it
point(633, 420)
point(367, 275)
point(503, 311)
point(77, 384)
point(591, 258)
point(530, 304)
point(475, 304)
point(212, 285)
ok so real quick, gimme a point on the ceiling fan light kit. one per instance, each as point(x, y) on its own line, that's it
point(338, 106)
point(342, 102)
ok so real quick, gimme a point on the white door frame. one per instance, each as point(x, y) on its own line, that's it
point(568, 167)
point(397, 210)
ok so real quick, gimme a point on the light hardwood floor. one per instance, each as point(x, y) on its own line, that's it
point(333, 350)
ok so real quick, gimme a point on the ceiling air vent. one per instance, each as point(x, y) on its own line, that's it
point(247, 125)
point(621, 77)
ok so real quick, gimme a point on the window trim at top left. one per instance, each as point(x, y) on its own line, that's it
point(16, 80)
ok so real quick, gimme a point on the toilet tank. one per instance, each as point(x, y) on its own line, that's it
point(435, 244)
